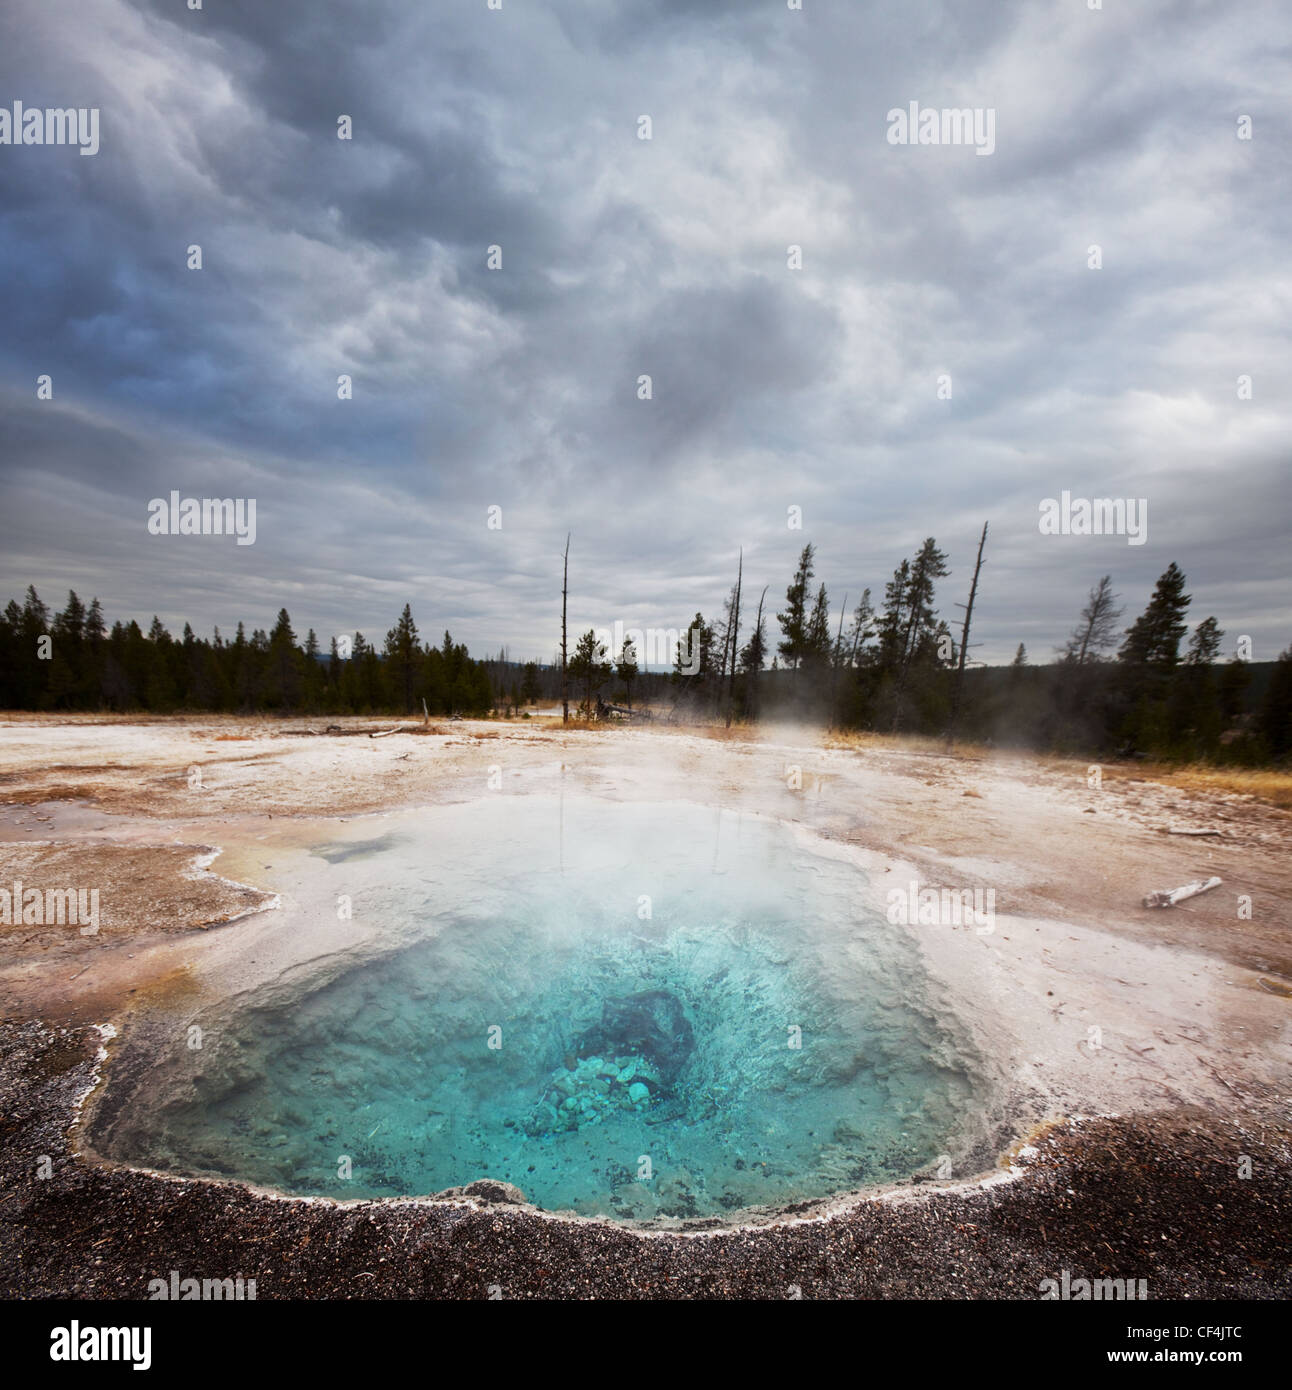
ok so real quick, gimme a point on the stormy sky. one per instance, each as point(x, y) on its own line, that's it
point(822, 388)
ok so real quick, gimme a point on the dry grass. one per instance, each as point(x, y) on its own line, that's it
point(859, 742)
point(1268, 785)
point(741, 730)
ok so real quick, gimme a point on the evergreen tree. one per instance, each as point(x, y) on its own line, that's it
point(694, 660)
point(816, 644)
point(1196, 721)
point(1204, 645)
point(65, 669)
point(917, 638)
point(334, 667)
point(1275, 720)
point(1154, 637)
point(402, 649)
point(32, 627)
point(794, 620)
point(589, 665)
point(160, 693)
point(929, 565)
point(754, 654)
point(626, 667)
point(1148, 656)
point(861, 631)
point(892, 621)
point(283, 681)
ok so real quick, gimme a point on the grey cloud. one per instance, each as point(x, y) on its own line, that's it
point(518, 387)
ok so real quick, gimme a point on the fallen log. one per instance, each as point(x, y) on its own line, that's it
point(1171, 830)
point(386, 733)
point(1178, 895)
point(626, 713)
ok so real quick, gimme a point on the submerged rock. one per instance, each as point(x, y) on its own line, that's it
point(626, 1062)
point(651, 1024)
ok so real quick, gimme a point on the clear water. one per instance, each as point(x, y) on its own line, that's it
point(634, 1011)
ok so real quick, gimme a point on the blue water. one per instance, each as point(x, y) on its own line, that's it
point(666, 1013)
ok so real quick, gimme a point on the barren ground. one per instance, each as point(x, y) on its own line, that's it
point(1193, 1003)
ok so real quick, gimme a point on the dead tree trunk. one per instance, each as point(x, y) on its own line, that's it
point(735, 638)
point(758, 627)
point(964, 644)
point(565, 590)
point(834, 658)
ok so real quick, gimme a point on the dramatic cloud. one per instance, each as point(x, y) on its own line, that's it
point(945, 354)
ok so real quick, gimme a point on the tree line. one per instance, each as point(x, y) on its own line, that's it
point(71, 661)
point(1151, 688)
point(899, 667)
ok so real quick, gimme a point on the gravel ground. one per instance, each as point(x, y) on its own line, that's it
point(1157, 1197)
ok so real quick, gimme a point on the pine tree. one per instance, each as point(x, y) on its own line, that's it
point(918, 640)
point(816, 644)
point(793, 646)
point(283, 679)
point(1196, 716)
point(1154, 637)
point(160, 693)
point(892, 621)
point(1275, 719)
point(861, 631)
point(402, 652)
point(1154, 720)
point(755, 650)
point(1204, 645)
point(930, 564)
point(589, 665)
point(695, 659)
point(626, 668)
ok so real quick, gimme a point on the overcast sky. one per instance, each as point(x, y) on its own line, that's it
point(772, 388)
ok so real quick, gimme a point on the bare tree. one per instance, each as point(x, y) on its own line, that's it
point(1097, 630)
point(836, 658)
point(755, 653)
point(735, 636)
point(565, 590)
point(964, 643)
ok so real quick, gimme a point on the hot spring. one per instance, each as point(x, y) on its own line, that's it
point(635, 1011)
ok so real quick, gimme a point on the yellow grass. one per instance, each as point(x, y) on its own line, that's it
point(860, 741)
point(1270, 785)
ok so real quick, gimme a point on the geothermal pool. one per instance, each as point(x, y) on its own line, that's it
point(633, 1011)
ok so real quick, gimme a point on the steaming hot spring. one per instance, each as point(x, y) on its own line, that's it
point(623, 1010)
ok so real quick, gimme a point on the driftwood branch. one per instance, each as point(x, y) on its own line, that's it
point(1171, 830)
point(1178, 895)
point(386, 733)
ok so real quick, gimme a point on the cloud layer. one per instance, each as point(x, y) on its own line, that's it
point(771, 388)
